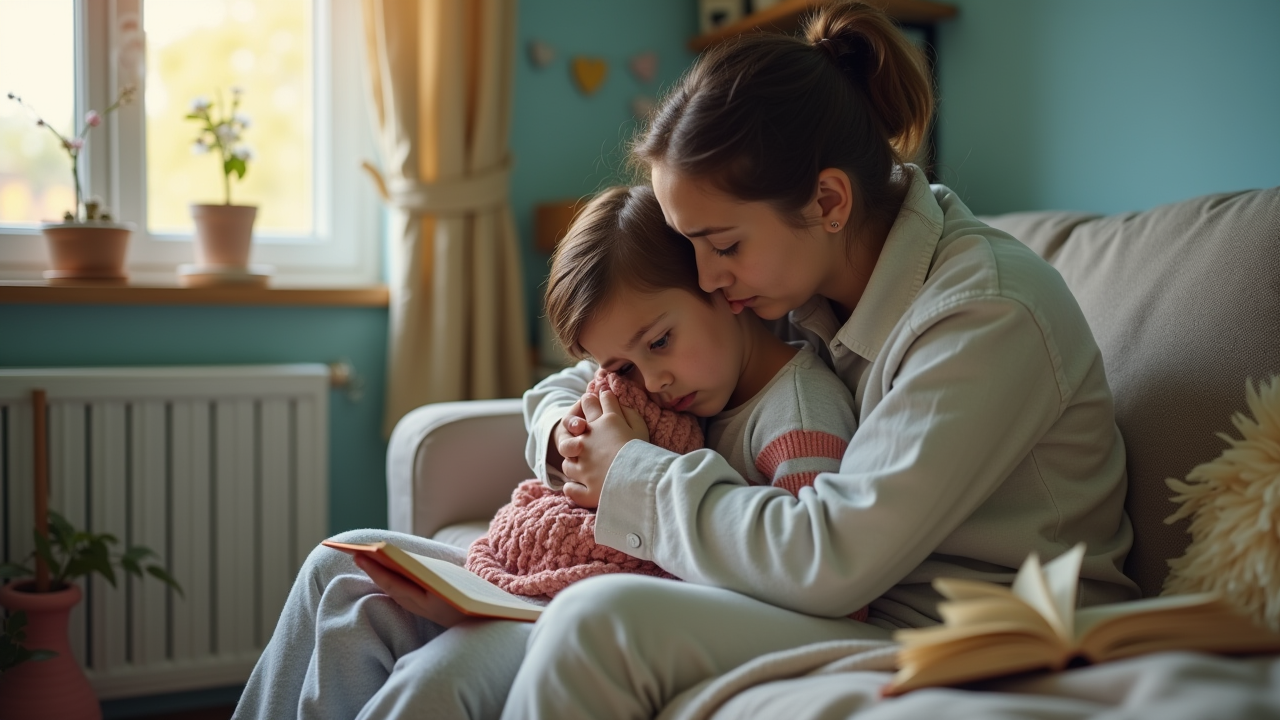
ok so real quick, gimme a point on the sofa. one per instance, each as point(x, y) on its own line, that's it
point(1184, 301)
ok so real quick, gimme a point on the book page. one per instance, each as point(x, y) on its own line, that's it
point(467, 592)
point(1051, 589)
point(473, 586)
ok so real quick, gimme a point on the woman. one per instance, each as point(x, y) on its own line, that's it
point(986, 427)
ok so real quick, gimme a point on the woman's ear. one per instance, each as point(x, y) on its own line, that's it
point(834, 201)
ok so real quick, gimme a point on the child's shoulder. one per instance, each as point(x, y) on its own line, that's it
point(803, 387)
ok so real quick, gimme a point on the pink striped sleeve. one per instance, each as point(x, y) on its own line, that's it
point(792, 460)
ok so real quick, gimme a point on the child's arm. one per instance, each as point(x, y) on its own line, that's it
point(801, 427)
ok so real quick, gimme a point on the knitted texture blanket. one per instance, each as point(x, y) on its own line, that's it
point(540, 542)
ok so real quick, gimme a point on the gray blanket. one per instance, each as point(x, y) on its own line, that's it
point(842, 679)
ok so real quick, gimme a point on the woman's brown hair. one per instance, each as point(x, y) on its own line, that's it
point(760, 116)
point(619, 240)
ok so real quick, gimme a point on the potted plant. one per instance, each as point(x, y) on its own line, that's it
point(57, 688)
point(88, 244)
point(223, 232)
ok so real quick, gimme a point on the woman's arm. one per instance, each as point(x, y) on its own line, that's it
point(973, 392)
point(545, 405)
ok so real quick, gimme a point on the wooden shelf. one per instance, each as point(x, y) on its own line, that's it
point(40, 293)
point(786, 17)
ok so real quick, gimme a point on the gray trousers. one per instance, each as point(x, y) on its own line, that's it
point(630, 646)
point(343, 649)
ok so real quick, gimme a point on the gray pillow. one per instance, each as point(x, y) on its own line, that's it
point(1184, 301)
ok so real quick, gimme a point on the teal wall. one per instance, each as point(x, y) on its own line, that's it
point(103, 335)
point(1107, 105)
point(565, 144)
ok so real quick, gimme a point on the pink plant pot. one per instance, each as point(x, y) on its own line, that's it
point(86, 251)
point(224, 234)
point(54, 689)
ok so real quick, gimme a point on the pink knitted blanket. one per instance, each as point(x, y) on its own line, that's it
point(541, 542)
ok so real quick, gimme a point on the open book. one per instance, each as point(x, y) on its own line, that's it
point(991, 630)
point(467, 592)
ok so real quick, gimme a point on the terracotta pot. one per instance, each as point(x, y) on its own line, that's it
point(223, 234)
point(87, 251)
point(54, 689)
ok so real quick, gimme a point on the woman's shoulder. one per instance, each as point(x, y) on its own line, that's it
point(975, 262)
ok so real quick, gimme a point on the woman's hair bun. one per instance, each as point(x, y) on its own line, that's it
point(875, 56)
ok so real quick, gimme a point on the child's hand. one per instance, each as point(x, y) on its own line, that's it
point(564, 442)
point(409, 596)
point(610, 426)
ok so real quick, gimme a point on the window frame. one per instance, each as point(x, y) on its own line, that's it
point(343, 250)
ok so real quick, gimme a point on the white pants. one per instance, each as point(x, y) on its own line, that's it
point(343, 649)
point(627, 646)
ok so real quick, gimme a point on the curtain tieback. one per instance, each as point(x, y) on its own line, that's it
point(455, 196)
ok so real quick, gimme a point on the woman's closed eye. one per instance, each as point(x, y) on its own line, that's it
point(729, 251)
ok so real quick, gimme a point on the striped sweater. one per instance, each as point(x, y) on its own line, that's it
point(793, 429)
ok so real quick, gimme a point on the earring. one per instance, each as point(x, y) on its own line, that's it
point(835, 224)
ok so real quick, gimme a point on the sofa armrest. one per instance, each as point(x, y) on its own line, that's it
point(454, 462)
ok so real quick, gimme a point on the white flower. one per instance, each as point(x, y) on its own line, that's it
point(236, 91)
point(242, 119)
point(199, 147)
point(226, 133)
point(200, 104)
point(243, 152)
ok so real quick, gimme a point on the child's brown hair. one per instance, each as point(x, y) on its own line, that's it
point(619, 240)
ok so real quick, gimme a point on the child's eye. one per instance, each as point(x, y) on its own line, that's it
point(726, 252)
point(661, 342)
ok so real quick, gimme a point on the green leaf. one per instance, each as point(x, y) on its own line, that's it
point(41, 655)
point(159, 573)
point(13, 570)
point(13, 627)
point(45, 551)
point(234, 165)
point(100, 560)
point(137, 553)
point(62, 534)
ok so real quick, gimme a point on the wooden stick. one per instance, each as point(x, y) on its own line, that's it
point(42, 483)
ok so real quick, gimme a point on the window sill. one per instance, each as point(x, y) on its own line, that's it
point(41, 293)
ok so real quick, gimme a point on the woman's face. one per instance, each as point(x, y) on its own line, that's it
point(746, 250)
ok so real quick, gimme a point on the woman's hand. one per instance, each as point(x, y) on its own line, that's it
point(409, 596)
point(610, 426)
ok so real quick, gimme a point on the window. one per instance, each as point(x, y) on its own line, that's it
point(298, 67)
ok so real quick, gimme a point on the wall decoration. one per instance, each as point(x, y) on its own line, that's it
point(714, 14)
point(641, 106)
point(644, 66)
point(541, 54)
point(589, 73)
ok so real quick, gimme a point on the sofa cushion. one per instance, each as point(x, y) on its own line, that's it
point(1184, 301)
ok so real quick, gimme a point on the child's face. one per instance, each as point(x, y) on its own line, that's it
point(688, 353)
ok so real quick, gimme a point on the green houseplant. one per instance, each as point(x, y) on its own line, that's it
point(224, 232)
point(87, 244)
point(57, 688)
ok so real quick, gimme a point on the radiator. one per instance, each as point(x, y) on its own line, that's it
point(223, 471)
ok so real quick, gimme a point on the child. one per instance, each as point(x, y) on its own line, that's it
point(623, 291)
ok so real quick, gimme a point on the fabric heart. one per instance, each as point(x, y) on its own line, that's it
point(645, 66)
point(589, 74)
point(541, 54)
point(641, 106)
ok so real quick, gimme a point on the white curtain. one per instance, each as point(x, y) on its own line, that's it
point(441, 74)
